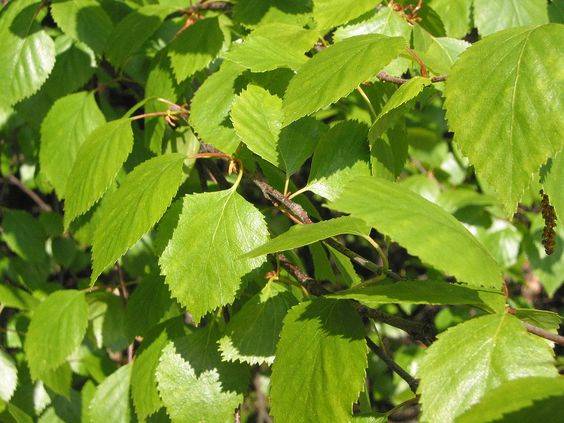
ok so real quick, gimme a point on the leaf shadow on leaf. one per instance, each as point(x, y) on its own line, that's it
point(89, 29)
point(24, 23)
point(251, 12)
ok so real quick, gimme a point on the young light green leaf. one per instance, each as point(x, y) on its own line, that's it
point(483, 104)
point(252, 333)
point(474, 357)
point(257, 118)
point(24, 235)
point(211, 105)
point(531, 399)
point(340, 155)
point(9, 379)
point(83, 20)
point(297, 143)
point(111, 399)
point(13, 297)
point(272, 46)
point(421, 292)
point(299, 235)
point(132, 31)
point(143, 380)
point(195, 48)
point(56, 330)
point(194, 384)
point(422, 227)
point(492, 16)
point(27, 55)
point(442, 53)
point(331, 13)
point(541, 318)
point(320, 363)
point(455, 15)
point(386, 22)
point(97, 163)
point(202, 261)
point(64, 129)
point(336, 71)
point(134, 208)
point(397, 105)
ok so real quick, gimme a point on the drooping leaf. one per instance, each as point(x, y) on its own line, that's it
point(455, 15)
point(202, 261)
point(27, 55)
point(483, 104)
point(330, 13)
point(493, 16)
point(134, 208)
point(300, 235)
point(83, 20)
point(143, 380)
point(252, 333)
point(9, 379)
point(24, 235)
point(336, 71)
point(341, 155)
point(396, 106)
point(97, 163)
point(195, 48)
point(257, 118)
point(63, 131)
point(298, 141)
point(320, 363)
point(132, 31)
point(57, 328)
point(194, 384)
point(211, 105)
point(111, 399)
point(272, 46)
point(421, 292)
point(475, 357)
point(422, 227)
point(13, 297)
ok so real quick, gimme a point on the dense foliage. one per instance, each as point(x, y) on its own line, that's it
point(288, 210)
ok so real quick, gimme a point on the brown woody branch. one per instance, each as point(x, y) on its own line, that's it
point(31, 194)
point(384, 76)
point(208, 5)
point(543, 333)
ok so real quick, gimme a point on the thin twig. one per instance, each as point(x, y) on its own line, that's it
point(395, 367)
point(543, 333)
point(386, 77)
point(31, 194)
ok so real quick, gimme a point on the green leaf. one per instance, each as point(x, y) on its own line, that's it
point(320, 363)
point(211, 105)
point(97, 163)
point(336, 71)
point(273, 46)
point(13, 297)
point(56, 330)
point(134, 208)
point(455, 15)
point(483, 104)
point(300, 235)
point(143, 379)
point(527, 399)
point(257, 118)
point(422, 227)
point(252, 333)
point(63, 131)
point(83, 20)
point(541, 318)
point(297, 143)
point(147, 305)
point(475, 357)
point(131, 32)
point(202, 261)
point(195, 48)
point(396, 106)
point(261, 12)
point(9, 374)
point(27, 55)
point(108, 324)
point(24, 235)
point(442, 53)
point(341, 155)
point(552, 186)
point(194, 384)
point(386, 22)
point(495, 16)
point(331, 13)
point(111, 399)
point(421, 292)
